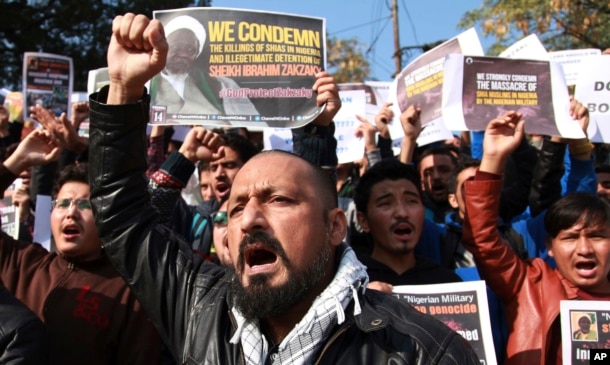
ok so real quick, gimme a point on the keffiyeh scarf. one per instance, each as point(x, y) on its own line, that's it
point(327, 310)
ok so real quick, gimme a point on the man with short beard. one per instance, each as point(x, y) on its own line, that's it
point(285, 236)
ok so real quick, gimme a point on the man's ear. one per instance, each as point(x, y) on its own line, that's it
point(453, 201)
point(363, 222)
point(549, 245)
point(338, 226)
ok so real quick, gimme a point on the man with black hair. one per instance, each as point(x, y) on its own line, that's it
point(90, 314)
point(390, 209)
point(578, 238)
point(435, 165)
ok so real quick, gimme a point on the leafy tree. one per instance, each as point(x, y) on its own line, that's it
point(74, 28)
point(559, 24)
point(346, 60)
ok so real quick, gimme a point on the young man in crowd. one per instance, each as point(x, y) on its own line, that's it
point(294, 292)
point(436, 165)
point(390, 209)
point(578, 238)
point(89, 312)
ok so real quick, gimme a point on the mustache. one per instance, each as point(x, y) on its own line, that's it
point(267, 241)
point(402, 221)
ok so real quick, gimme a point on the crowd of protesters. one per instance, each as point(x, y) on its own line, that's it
point(288, 258)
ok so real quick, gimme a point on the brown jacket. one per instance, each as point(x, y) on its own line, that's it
point(531, 290)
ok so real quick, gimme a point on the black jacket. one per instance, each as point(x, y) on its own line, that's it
point(188, 298)
point(22, 334)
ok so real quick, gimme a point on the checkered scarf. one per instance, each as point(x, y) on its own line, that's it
point(303, 342)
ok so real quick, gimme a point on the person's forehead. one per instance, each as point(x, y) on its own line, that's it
point(71, 187)
point(276, 166)
point(436, 160)
point(398, 186)
point(466, 174)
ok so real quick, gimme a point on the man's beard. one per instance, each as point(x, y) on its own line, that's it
point(260, 299)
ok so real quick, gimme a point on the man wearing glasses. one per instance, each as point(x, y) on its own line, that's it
point(90, 315)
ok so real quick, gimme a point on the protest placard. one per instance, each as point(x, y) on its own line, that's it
point(593, 90)
point(570, 61)
point(238, 67)
point(13, 102)
point(349, 147)
point(585, 326)
point(528, 48)
point(420, 83)
point(42, 224)
point(9, 212)
point(47, 80)
point(461, 306)
point(432, 132)
point(97, 79)
point(479, 89)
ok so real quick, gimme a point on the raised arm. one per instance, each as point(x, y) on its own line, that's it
point(38, 148)
point(316, 141)
point(166, 184)
point(137, 52)
point(411, 126)
point(496, 261)
point(159, 267)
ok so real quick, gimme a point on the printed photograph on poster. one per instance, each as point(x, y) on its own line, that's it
point(420, 83)
point(592, 88)
point(585, 325)
point(479, 89)
point(47, 80)
point(461, 306)
point(238, 67)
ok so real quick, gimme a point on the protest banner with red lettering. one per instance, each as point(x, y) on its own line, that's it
point(593, 90)
point(479, 89)
point(238, 67)
point(421, 82)
point(461, 306)
point(585, 325)
point(47, 80)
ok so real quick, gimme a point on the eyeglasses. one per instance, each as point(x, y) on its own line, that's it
point(220, 219)
point(66, 204)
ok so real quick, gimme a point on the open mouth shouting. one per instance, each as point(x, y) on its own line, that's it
point(222, 189)
point(403, 231)
point(71, 232)
point(260, 253)
point(586, 268)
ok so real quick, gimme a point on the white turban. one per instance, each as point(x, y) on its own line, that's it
point(189, 23)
